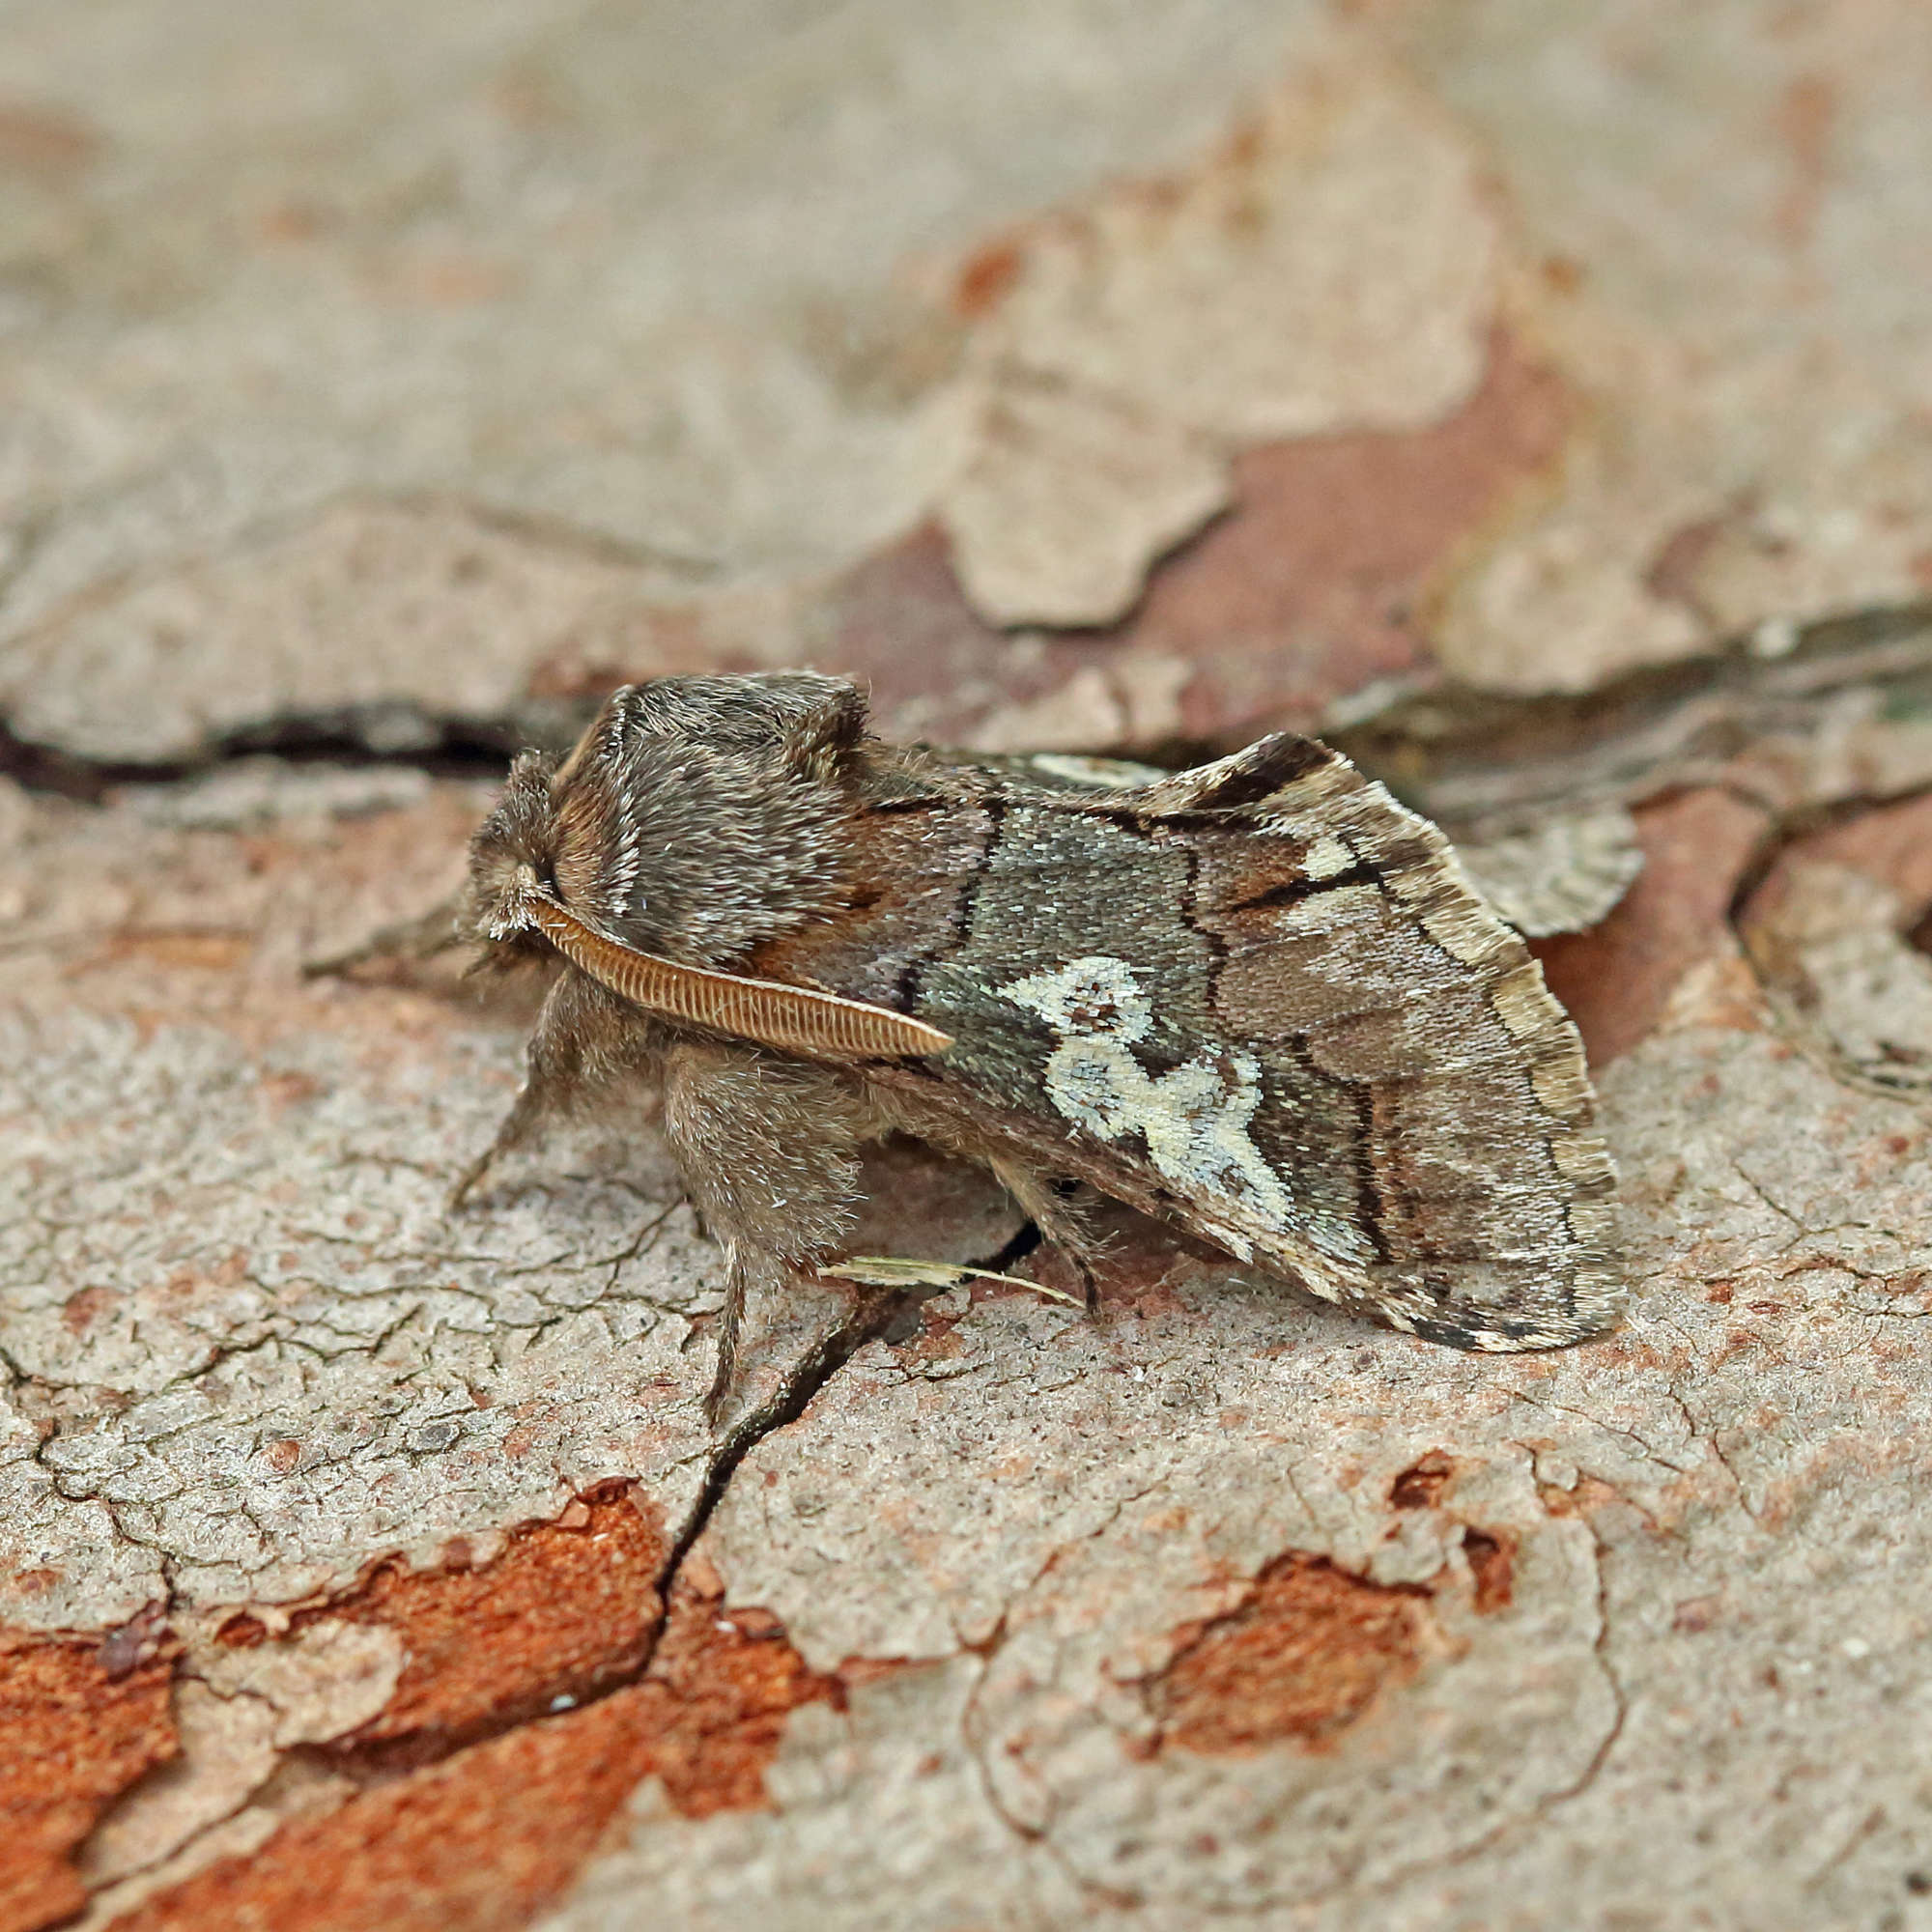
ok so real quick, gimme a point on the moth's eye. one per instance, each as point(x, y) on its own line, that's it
point(546, 875)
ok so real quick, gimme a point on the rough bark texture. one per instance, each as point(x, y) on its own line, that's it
point(1537, 399)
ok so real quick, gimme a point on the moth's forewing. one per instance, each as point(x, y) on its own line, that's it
point(1260, 996)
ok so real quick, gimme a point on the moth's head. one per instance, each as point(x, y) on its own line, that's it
point(696, 817)
point(512, 857)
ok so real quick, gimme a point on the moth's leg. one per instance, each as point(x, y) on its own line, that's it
point(765, 1145)
point(1060, 1222)
point(409, 940)
point(586, 1041)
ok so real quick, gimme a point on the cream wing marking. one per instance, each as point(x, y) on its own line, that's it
point(1194, 1118)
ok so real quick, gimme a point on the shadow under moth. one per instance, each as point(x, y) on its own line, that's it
point(1259, 997)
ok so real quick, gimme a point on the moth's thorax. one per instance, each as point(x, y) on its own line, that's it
point(680, 825)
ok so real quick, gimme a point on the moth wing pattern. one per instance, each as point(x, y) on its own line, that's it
point(1544, 873)
point(1260, 996)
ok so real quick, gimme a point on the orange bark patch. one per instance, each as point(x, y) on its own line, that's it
point(987, 277)
point(720, 1689)
point(74, 1735)
point(568, 1608)
point(1491, 1561)
point(1301, 1660)
point(1590, 1495)
point(480, 1842)
point(1421, 1485)
point(486, 1839)
point(1617, 978)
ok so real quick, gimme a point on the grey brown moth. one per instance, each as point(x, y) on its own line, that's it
point(1259, 997)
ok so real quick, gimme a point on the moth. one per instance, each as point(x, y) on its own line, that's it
point(1259, 997)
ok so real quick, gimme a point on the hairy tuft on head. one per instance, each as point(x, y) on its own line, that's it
point(518, 837)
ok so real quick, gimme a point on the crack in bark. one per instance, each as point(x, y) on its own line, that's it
point(988, 1649)
point(1550, 1800)
point(1648, 1454)
point(1715, 1451)
point(1661, 710)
